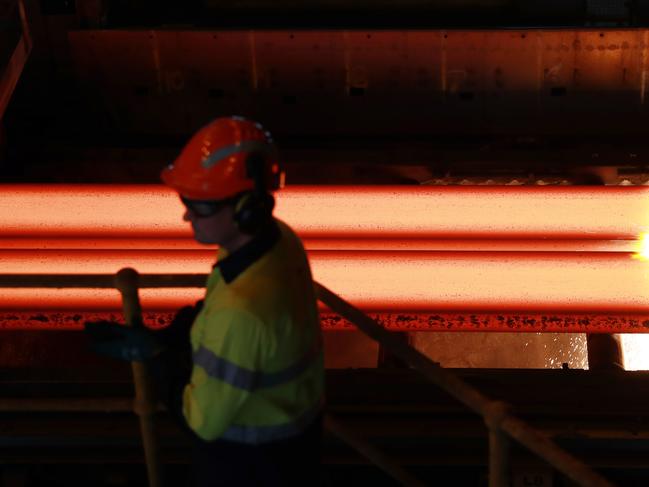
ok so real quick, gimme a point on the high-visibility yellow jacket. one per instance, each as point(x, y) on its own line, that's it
point(258, 369)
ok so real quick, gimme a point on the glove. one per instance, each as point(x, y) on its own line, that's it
point(130, 343)
point(177, 333)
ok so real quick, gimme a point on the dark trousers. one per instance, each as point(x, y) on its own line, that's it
point(287, 463)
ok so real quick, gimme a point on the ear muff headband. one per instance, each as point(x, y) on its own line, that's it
point(255, 170)
point(242, 202)
point(254, 208)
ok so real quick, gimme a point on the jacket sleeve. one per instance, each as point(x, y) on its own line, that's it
point(226, 365)
point(171, 369)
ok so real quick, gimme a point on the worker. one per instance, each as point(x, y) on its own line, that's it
point(253, 397)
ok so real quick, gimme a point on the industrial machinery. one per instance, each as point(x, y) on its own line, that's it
point(469, 174)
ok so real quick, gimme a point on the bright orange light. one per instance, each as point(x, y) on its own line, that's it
point(642, 247)
point(487, 281)
point(402, 281)
point(386, 249)
point(398, 212)
point(106, 261)
point(331, 244)
point(81, 300)
point(635, 351)
point(577, 212)
point(90, 210)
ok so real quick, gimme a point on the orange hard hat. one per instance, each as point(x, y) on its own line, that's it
point(213, 164)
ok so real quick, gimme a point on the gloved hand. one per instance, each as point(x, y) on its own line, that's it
point(177, 333)
point(131, 343)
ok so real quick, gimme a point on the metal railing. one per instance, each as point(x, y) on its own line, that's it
point(16, 63)
point(501, 424)
point(495, 413)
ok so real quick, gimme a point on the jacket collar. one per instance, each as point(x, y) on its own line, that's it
point(238, 261)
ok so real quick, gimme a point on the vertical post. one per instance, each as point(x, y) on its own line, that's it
point(144, 405)
point(498, 458)
point(494, 414)
point(25, 26)
point(604, 352)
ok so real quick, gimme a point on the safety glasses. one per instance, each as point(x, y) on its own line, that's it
point(204, 209)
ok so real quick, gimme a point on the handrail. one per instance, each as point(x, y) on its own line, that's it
point(98, 280)
point(495, 413)
point(9, 78)
point(127, 282)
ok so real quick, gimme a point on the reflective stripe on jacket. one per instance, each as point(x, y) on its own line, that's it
point(257, 350)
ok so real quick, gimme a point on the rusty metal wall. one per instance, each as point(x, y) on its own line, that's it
point(370, 82)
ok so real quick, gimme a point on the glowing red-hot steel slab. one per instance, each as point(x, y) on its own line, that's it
point(106, 261)
point(423, 258)
point(333, 244)
point(487, 281)
point(380, 281)
point(338, 211)
point(469, 211)
point(94, 299)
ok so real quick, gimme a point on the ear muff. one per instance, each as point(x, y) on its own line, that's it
point(254, 208)
point(253, 211)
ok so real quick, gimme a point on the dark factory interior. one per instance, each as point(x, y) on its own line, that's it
point(523, 364)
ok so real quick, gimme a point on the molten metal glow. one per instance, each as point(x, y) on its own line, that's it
point(334, 244)
point(577, 212)
point(421, 257)
point(391, 249)
point(603, 213)
point(635, 351)
point(404, 281)
point(643, 247)
point(36, 300)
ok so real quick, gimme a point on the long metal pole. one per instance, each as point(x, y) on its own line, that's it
point(61, 281)
point(494, 412)
point(144, 406)
point(498, 459)
point(65, 404)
